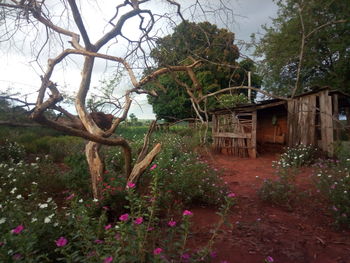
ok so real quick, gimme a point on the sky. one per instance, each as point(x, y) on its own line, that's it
point(18, 73)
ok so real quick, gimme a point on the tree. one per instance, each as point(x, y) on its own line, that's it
point(307, 45)
point(64, 29)
point(219, 68)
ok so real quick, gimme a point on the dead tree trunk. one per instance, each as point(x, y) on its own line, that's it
point(96, 167)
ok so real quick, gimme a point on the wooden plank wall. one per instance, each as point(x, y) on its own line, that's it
point(302, 121)
point(326, 118)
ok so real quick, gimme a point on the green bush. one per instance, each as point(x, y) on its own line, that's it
point(332, 178)
point(282, 191)
point(77, 178)
point(34, 229)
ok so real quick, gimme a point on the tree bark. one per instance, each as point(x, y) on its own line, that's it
point(96, 167)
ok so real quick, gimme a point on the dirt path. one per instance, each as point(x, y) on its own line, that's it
point(303, 234)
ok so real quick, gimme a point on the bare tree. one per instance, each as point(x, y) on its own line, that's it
point(60, 30)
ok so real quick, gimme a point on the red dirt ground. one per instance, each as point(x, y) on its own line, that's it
point(303, 234)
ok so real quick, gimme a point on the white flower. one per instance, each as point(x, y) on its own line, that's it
point(345, 192)
point(35, 183)
point(81, 200)
point(2, 220)
point(37, 158)
point(42, 205)
point(95, 200)
point(47, 220)
point(13, 190)
point(49, 200)
point(55, 224)
point(34, 219)
point(19, 196)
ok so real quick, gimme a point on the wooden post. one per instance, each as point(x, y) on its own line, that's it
point(336, 123)
point(249, 90)
point(253, 138)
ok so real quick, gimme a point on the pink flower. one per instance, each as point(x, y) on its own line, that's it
point(157, 251)
point(17, 256)
point(231, 195)
point(172, 223)
point(154, 166)
point(98, 241)
point(130, 185)
point(187, 213)
point(213, 254)
point(108, 260)
point(61, 242)
point(269, 259)
point(70, 197)
point(109, 226)
point(185, 256)
point(18, 229)
point(124, 217)
point(138, 221)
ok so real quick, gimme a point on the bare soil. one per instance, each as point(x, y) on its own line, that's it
point(303, 233)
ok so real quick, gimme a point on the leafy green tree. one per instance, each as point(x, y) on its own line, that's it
point(307, 45)
point(219, 68)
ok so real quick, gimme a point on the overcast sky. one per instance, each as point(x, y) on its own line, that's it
point(18, 74)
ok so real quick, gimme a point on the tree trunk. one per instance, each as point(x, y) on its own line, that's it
point(96, 167)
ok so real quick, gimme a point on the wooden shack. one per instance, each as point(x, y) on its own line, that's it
point(310, 119)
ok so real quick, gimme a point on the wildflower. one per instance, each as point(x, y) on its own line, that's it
point(18, 229)
point(187, 213)
point(47, 220)
point(17, 256)
point(185, 256)
point(81, 200)
point(13, 190)
point(61, 242)
point(70, 197)
point(34, 219)
point(2, 220)
point(231, 195)
point(124, 217)
point(157, 251)
point(138, 221)
point(172, 223)
point(98, 241)
point(95, 200)
point(42, 205)
point(154, 166)
point(213, 254)
point(49, 200)
point(108, 260)
point(269, 259)
point(109, 226)
point(130, 185)
point(19, 196)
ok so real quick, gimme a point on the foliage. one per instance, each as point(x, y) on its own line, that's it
point(332, 178)
point(326, 54)
point(11, 151)
point(282, 191)
point(229, 101)
point(218, 69)
point(77, 177)
point(184, 177)
point(36, 226)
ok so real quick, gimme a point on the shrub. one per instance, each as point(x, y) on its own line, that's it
point(11, 151)
point(332, 178)
point(33, 229)
point(282, 191)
